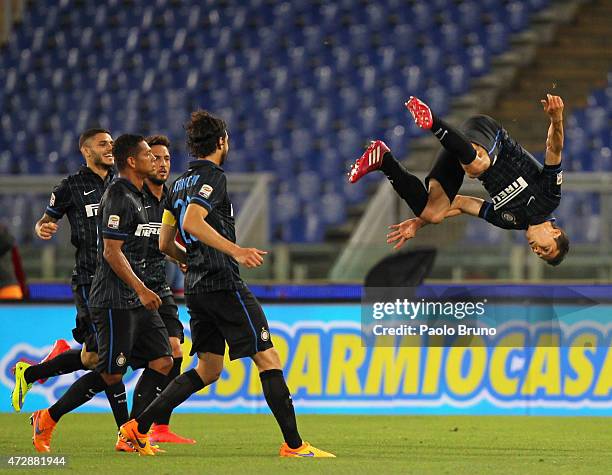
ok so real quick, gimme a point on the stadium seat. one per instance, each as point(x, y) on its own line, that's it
point(302, 86)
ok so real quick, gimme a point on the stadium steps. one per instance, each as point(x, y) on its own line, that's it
point(577, 61)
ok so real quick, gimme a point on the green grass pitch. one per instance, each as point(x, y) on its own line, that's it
point(245, 444)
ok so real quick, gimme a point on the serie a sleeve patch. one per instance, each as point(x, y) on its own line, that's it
point(113, 221)
point(205, 191)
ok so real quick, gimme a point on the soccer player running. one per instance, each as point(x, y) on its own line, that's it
point(221, 306)
point(77, 196)
point(524, 193)
point(155, 192)
point(123, 309)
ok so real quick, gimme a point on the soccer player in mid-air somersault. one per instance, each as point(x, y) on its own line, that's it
point(524, 193)
point(222, 307)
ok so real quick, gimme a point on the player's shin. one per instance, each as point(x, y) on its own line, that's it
point(279, 400)
point(117, 399)
point(164, 417)
point(148, 387)
point(65, 363)
point(175, 393)
point(405, 184)
point(453, 141)
point(81, 391)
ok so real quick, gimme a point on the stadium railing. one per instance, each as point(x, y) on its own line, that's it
point(27, 196)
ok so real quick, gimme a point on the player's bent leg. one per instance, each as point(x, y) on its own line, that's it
point(451, 138)
point(206, 372)
point(65, 361)
point(437, 204)
point(160, 431)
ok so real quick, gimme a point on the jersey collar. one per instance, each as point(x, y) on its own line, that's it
point(85, 170)
point(148, 191)
point(204, 163)
point(129, 185)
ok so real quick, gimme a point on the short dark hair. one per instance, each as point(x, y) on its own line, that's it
point(126, 146)
point(158, 140)
point(562, 246)
point(203, 133)
point(89, 133)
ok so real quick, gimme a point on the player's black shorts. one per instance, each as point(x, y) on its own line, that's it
point(123, 335)
point(447, 170)
point(234, 316)
point(169, 314)
point(84, 331)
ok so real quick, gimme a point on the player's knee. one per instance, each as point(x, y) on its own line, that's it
point(431, 216)
point(175, 344)
point(268, 359)
point(211, 375)
point(89, 359)
point(162, 365)
point(111, 379)
point(207, 374)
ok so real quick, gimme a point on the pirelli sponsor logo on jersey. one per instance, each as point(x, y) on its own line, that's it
point(149, 229)
point(509, 193)
point(92, 210)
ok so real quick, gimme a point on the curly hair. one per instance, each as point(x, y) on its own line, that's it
point(203, 133)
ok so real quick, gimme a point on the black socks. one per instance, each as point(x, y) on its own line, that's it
point(81, 391)
point(118, 402)
point(175, 393)
point(453, 141)
point(149, 386)
point(67, 362)
point(164, 417)
point(405, 184)
point(279, 400)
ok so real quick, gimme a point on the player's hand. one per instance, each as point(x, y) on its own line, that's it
point(46, 230)
point(149, 299)
point(183, 267)
point(553, 106)
point(249, 256)
point(403, 231)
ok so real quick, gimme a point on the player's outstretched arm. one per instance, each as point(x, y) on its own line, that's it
point(120, 265)
point(167, 243)
point(553, 106)
point(46, 227)
point(194, 224)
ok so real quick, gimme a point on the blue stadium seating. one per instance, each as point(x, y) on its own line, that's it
point(302, 85)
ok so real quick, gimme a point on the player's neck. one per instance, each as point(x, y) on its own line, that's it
point(134, 178)
point(157, 190)
point(102, 172)
point(215, 158)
